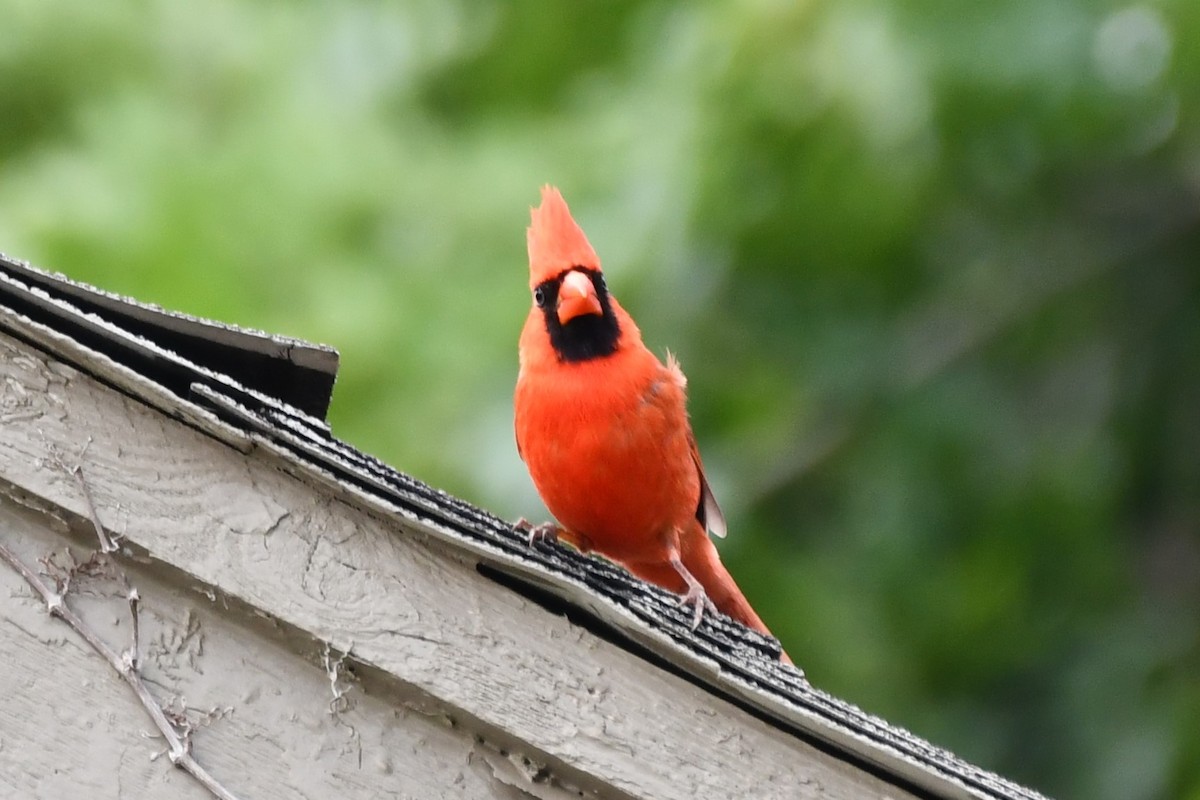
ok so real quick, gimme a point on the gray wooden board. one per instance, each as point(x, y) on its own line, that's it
point(406, 602)
point(70, 727)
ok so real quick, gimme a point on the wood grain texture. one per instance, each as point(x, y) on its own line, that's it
point(69, 727)
point(496, 664)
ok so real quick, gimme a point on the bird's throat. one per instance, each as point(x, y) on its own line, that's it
point(586, 336)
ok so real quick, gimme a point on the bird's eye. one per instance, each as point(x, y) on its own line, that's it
point(539, 297)
point(601, 286)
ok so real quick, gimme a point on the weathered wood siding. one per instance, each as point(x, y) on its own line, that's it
point(70, 728)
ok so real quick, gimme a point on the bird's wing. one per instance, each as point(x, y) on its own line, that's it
point(707, 510)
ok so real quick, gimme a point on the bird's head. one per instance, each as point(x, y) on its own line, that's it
point(567, 284)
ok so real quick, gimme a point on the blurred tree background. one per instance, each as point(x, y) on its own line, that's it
point(932, 268)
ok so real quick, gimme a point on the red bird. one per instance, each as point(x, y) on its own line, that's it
point(602, 425)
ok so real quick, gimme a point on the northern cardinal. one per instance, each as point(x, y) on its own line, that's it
point(602, 425)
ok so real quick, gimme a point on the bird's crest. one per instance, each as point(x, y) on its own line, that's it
point(556, 242)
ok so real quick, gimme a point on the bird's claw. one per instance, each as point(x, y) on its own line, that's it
point(700, 602)
point(546, 532)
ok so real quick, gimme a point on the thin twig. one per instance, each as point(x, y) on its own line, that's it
point(176, 710)
point(106, 544)
point(127, 664)
point(177, 750)
point(134, 657)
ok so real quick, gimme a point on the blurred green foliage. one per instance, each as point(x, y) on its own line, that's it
point(932, 269)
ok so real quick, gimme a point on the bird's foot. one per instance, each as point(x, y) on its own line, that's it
point(546, 532)
point(700, 602)
point(695, 596)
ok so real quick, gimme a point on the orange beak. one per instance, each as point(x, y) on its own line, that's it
point(576, 297)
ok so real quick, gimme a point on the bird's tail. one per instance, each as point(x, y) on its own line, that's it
point(703, 561)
